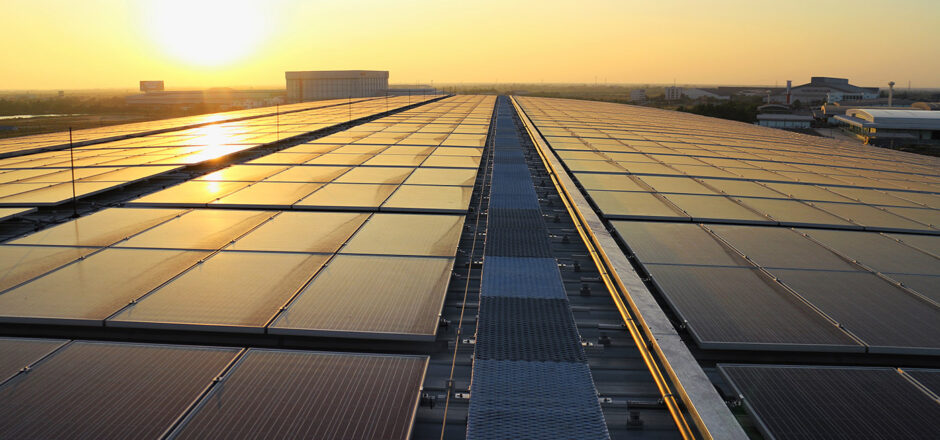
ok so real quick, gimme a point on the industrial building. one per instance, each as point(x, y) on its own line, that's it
point(892, 127)
point(466, 267)
point(785, 121)
point(638, 96)
point(673, 93)
point(826, 89)
point(335, 84)
point(830, 110)
point(700, 93)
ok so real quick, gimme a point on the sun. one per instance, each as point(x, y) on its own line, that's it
point(206, 32)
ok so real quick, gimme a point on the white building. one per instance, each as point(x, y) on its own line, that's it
point(673, 93)
point(335, 84)
point(778, 120)
point(638, 95)
point(892, 127)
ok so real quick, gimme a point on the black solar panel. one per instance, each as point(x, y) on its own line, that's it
point(16, 353)
point(835, 402)
point(108, 390)
point(927, 378)
point(293, 394)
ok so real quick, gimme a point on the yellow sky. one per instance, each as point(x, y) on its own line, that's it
point(67, 44)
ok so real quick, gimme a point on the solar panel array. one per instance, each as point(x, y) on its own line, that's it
point(639, 163)
point(126, 390)
point(336, 271)
point(739, 282)
point(199, 269)
point(26, 144)
point(420, 160)
point(768, 241)
point(45, 178)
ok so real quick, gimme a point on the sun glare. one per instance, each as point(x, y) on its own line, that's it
point(206, 32)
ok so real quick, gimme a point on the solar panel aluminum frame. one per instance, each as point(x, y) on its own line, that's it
point(42, 320)
point(177, 326)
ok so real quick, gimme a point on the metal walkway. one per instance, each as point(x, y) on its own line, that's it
point(530, 375)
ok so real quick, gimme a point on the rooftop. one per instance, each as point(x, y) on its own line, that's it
point(495, 267)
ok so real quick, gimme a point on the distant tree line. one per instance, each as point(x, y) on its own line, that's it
point(94, 105)
point(738, 109)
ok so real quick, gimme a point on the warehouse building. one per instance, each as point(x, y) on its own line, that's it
point(335, 84)
point(892, 127)
point(826, 89)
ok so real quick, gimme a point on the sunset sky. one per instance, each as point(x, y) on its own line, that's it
point(59, 44)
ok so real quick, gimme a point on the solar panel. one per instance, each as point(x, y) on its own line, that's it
point(19, 353)
point(88, 291)
point(102, 228)
point(633, 205)
point(406, 234)
point(379, 175)
point(199, 229)
point(435, 176)
point(877, 251)
point(290, 394)
point(780, 247)
point(225, 293)
point(452, 161)
point(929, 217)
point(887, 318)
point(681, 185)
point(114, 163)
point(926, 243)
point(347, 196)
point(270, 195)
point(613, 182)
point(370, 296)
point(741, 308)
point(926, 285)
point(429, 198)
point(108, 390)
point(322, 232)
point(715, 208)
point(871, 217)
point(929, 378)
point(19, 264)
point(675, 243)
point(308, 174)
point(242, 173)
point(189, 194)
point(795, 213)
point(858, 403)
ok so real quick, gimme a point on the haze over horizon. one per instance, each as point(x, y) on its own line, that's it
point(210, 43)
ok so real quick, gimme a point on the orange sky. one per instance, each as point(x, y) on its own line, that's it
point(65, 44)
